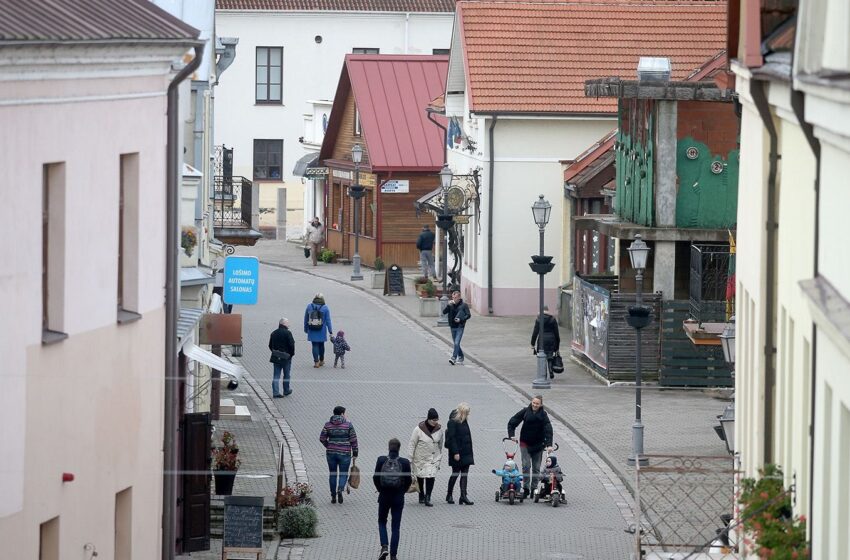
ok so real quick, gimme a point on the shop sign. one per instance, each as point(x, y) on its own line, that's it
point(395, 186)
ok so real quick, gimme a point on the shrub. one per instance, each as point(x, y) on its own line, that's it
point(430, 289)
point(297, 522)
point(420, 280)
point(327, 255)
point(379, 263)
point(297, 495)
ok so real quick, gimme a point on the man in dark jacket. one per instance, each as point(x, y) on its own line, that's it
point(282, 346)
point(459, 314)
point(535, 436)
point(550, 340)
point(392, 478)
point(425, 244)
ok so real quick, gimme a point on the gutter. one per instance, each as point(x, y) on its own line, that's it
point(757, 91)
point(172, 308)
point(445, 133)
point(490, 189)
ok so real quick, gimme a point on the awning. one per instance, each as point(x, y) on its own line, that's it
point(208, 358)
point(309, 160)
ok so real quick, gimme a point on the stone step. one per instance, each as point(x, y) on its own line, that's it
point(240, 413)
point(226, 406)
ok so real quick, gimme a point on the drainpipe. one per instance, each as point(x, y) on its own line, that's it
point(490, 217)
point(757, 91)
point(172, 301)
point(798, 103)
point(445, 132)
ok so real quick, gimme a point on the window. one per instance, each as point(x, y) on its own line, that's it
point(365, 50)
point(441, 51)
point(269, 75)
point(356, 121)
point(268, 158)
point(52, 252)
point(48, 540)
point(124, 524)
point(369, 207)
point(128, 239)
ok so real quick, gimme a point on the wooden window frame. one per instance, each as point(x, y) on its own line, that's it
point(266, 143)
point(269, 70)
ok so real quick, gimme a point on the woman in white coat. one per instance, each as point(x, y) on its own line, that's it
point(426, 452)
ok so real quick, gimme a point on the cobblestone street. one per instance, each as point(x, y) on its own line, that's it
point(394, 373)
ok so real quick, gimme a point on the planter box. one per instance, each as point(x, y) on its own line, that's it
point(429, 307)
point(378, 278)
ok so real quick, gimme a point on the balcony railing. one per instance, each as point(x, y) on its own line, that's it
point(711, 268)
point(232, 202)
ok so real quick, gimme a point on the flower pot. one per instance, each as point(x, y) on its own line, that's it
point(224, 482)
point(378, 277)
point(429, 307)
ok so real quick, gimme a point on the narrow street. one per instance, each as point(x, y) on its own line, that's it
point(394, 373)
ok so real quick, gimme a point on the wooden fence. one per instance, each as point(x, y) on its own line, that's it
point(684, 364)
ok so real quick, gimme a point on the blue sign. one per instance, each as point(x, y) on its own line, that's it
point(241, 280)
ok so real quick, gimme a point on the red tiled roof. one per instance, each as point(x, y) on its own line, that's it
point(535, 57)
point(339, 5)
point(391, 93)
point(89, 20)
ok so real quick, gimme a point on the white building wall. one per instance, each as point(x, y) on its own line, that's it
point(311, 70)
point(90, 405)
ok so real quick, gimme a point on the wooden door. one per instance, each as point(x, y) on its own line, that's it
point(196, 482)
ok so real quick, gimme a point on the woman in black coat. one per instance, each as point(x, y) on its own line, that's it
point(459, 444)
point(550, 340)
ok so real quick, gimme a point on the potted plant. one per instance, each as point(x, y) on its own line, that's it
point(418, 282)
point(327, 255)
point(429, 306)
point(225, 464)
point(379, 274)
point(188, 240)
point(296, 517)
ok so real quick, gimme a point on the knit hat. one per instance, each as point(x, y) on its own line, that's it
point(340, 333)
point(432, 414)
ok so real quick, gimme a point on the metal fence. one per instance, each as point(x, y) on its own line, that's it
point(232, 202)
point(709, 276)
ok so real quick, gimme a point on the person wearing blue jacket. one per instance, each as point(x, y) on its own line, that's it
point(317, 325)
point(510, 474)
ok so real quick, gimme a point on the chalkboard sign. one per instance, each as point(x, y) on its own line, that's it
point(394, 281)
point(243, 524)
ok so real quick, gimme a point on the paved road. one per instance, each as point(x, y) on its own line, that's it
point(394, 373)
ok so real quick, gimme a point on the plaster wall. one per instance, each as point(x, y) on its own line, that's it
point(527, 164)
point(90, 405)
point(310, 72)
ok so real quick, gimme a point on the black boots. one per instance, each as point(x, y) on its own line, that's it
point(464, 500)
point(450, 499)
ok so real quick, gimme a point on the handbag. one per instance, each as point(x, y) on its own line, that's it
point(306, 252)
point(414, 486)
point(558, 363)
point(281, 356)
point(354, 474)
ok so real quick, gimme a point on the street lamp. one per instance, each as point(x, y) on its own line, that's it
point(541, 264)
point(356, 193)
point(727, 341)
point(444, 222)
point(638, 318)
point(727, 419)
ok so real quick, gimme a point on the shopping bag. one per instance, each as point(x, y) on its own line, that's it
point(414, 486)
point(354, 475)
point(557, 363)
point(306, 252)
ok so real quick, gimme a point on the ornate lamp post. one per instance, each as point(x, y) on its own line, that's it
point(356, 193)
point(638, 318)
point(444, 222)
point(541, 264)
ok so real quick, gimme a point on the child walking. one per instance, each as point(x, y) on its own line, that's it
point(340, 348)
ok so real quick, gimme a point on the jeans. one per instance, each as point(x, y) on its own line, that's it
point(457, 334)
point(390, 503)
point(286, 367)
point(426, 263)
point(342, 463)
point(318, 351)
point(531, 461)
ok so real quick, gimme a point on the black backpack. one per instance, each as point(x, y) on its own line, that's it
point(391, 474)
point(315, 320)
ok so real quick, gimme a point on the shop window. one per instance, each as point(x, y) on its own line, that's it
point(268, 159)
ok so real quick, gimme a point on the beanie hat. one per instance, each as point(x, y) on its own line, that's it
point(432, 414)
point(340, 333)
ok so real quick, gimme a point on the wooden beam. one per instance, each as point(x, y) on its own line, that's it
point(672, 91)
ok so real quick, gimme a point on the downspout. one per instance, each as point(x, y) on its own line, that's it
point(172, 303)
point(445, 139)
point(757, 91)
point(798, 103)
point(490, 217)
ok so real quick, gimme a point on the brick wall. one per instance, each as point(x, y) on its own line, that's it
point(713, 124)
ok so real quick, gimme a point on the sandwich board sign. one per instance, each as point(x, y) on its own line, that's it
point(243, 526)
point(241, 280)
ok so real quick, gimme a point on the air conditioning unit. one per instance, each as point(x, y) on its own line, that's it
point(653, 69)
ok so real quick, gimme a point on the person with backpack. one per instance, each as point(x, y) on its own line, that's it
point(392, 478)
point(535, 436)
point(317, 325)
point(459, 314)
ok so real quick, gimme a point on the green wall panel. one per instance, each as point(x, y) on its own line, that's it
point(708, 186)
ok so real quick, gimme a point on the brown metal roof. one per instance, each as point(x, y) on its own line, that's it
point(89, 20)
point(431, 6)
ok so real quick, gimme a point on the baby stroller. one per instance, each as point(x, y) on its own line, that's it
point(511, 487)
point(548, 484)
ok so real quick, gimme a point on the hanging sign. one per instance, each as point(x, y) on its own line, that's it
point(241, 278)
point(395, 186)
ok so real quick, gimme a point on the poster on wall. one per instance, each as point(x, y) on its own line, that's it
point(591, 306)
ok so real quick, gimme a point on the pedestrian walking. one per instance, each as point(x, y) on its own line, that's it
point(535, 436)
point(459, 314)
point(426, 453)
point(282, 345)
point(425, 244)
point(340, 441)
point(392, 478)
point(550, 340)
point(340, 348)
point(317, 325)
point(459, 444)
point(314, 236)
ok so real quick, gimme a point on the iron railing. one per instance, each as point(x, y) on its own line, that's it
point(232, 201)
point(709, 276)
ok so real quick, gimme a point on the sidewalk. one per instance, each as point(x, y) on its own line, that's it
point(677, 421)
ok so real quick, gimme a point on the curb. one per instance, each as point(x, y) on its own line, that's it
point(624, 477)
